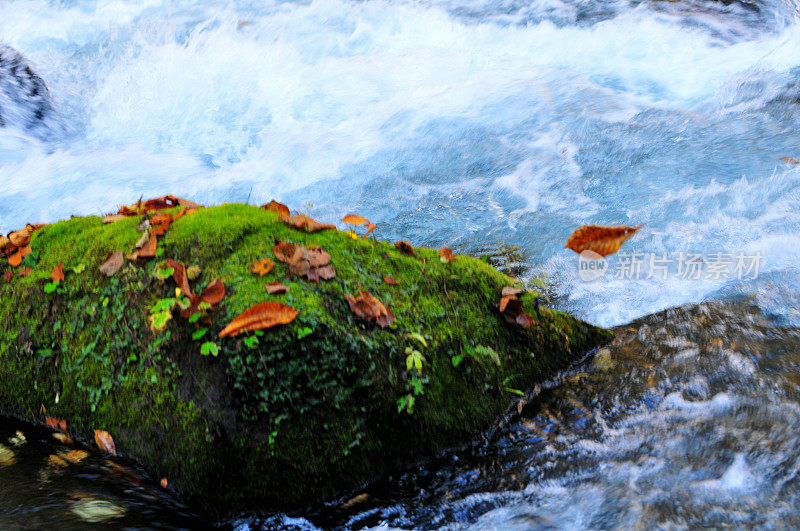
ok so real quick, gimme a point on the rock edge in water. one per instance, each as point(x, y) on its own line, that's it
point(303, 411)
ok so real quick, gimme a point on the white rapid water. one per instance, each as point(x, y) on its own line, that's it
point(464, 124)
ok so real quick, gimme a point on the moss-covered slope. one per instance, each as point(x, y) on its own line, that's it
point(300, 411)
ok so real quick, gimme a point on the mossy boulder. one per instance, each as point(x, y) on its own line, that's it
point(293, 413)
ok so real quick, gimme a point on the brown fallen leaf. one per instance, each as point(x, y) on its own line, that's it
point(56, 424)
point(406, 247)
point(63, 438)
point(280, 208)
point(508, 290)
point(9, 275)
point(259, 317)
point(112, 218)
point(600, 239)
point(300, 262)
point(325, 273)
point(56, 462)
point(301, 221)
point(318, 257)
point(57, 274)
point(390, 281)
point(105, 442)
point(446, 255)
point(168, 201)
point(790, 160)
point(20, 238)
point(15, 259)
point(112, 263)
point(214, 292)
point(262, 267)
point(148, 249)
point(273, 288)
point(4, 241)
point(180, 276)
point(370, 308)
point(361, 498)
point(284, 251)
point(74, 457)
point(24, 272)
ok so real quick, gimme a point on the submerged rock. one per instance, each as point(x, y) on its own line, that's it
point(284, 415)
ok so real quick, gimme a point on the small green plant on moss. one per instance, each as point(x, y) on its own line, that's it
point(209, 347)
point(479, 354)
point(511, 389)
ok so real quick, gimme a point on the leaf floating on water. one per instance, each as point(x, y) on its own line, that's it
point(600, 239)
point(74, 457)
point(57, 274)
point(97, 511)
point(370, 308)
point(406, 247)
point(105, 442)
point(790, 160)
point(260, 316)
point(112, 263)
point(63, 438)
point(280, 208)
point(56, 462)
point(7, 456)
point(273, 288)
point(361, 498)
point(262, 267)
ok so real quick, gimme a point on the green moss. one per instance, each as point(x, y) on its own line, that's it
point(314, 403)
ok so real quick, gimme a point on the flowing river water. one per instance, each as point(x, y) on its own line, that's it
point(472, 124)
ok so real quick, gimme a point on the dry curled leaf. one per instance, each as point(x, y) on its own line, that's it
point(20, 238)
point(281, 209)
point(406, 247)
point(355, 219)
point(318, 257)
point(301, 221)
point(112, 263)
point(602, 240)
point(509, 290)
point(260, 316)
point(273, 288)
point(214, 292)
point(262, 267)
point(390, 281)
point(370, 227)
point(446, 255)
point(105, 442)
point(370, 308)
point(57, 274)
point(147, 249)
point(284, 251)
point(179, 275)
point(325, 273)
